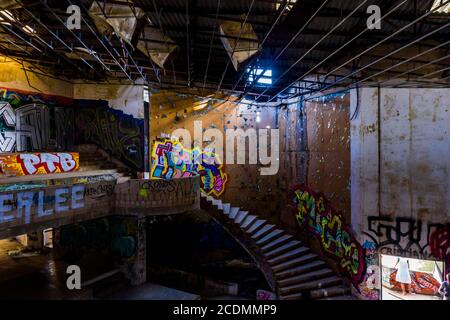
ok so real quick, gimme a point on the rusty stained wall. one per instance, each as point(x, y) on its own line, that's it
point(322, 161)
point(400, 155)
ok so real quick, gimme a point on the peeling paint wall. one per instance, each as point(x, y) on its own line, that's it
point(412, 134)
point(126, 98)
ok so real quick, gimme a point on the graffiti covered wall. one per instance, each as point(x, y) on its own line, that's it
point(34, 122)
point(170, 160)
point(114, 131)
point(22, 164)
point(315, 216)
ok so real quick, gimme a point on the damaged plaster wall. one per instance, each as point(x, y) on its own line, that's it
point(126, 98)
point(400, 163)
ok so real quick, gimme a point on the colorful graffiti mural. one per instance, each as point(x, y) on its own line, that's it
point(22, 164)
point(120, 134)
point(421, 283)
point(370, 286)
point(34, 122)
point(314, 214)
point(171, 160)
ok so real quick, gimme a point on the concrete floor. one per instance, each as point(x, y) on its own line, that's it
point(37, 276)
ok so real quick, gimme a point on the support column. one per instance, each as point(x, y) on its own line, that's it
point(139, 267)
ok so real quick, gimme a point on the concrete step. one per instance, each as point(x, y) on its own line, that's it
point(295, 262)
point(280, 246)
point(272, 236)
point(302, 269)
point(220, 205)
point(330, 292)
point(233, 212)
point(216, 202)
point(309, 276)
point(241, 216)
point(248, 222)
point(226, 208)
point(256, 226)
point(209, 199)
point(311, 285)
point(263, 231)
point(292, 254)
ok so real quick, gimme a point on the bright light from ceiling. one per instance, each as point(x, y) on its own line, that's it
point(444, 9)
point(28, 29)
point(8, 15)
point(289, 5)
point(266, 78)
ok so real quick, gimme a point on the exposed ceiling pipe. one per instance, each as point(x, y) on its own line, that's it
point(255, 80)
point(99, 40)
point(384, 40)
point(286, 2)
point(210, 44)
point(384, 57)
point(61, 41)
point(418, 68)
point(341, 47)
point(315, 45)
point(124, 46)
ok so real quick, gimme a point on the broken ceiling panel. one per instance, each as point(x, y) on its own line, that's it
point(121, 19)
point(156, 45)
point(242, 42)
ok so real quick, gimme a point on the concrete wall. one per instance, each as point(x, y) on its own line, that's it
point(13, 75)
point(400, 166)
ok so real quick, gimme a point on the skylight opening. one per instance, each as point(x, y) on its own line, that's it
point(444, 9)
point(265, 79)
point(289, 7)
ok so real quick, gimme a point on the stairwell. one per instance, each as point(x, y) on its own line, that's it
point(93, 158)
point(292, 270)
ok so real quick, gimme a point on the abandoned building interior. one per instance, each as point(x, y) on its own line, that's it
point(212, 149)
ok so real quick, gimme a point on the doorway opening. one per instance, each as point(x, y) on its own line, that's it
point(410, 279)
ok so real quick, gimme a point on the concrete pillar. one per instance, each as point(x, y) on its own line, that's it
point(35, 240)
point(138, 273)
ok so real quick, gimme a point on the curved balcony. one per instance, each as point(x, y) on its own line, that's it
point(38, 208)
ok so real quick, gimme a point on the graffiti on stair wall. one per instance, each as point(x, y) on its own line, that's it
point(22, 164)
point(170, 160)
point(113, 235)
point(120, 134)
point(315, 215)
point(409, 237)
point(167, 189)
point(34, 122)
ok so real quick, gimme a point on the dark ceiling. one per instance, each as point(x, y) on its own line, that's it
point(304, 43)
